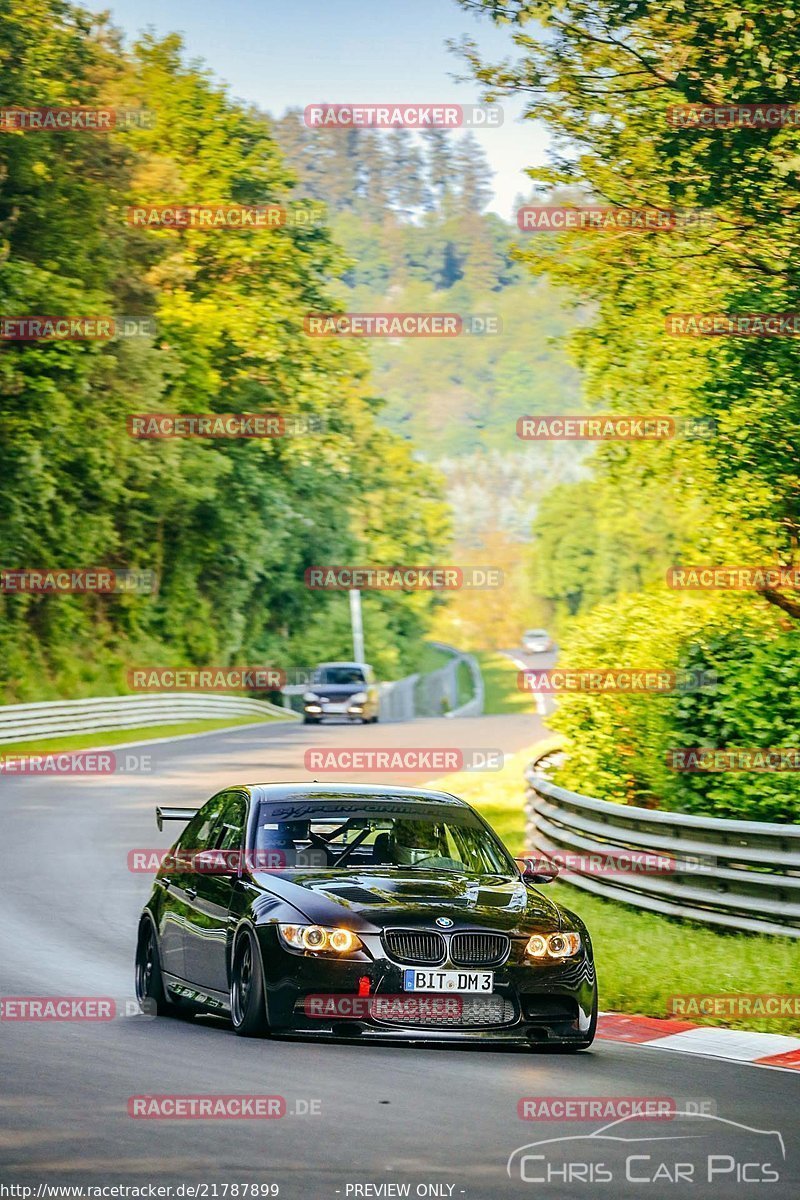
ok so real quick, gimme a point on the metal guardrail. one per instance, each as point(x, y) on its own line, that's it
point(24, 722)
point(742, 875)
point(400, 701)
point(436, 694)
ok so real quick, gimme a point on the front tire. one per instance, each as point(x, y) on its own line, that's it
point(150, 990)
point(248, 1006)
point(310, 721)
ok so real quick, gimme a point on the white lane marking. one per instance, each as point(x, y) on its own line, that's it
point(539, 698)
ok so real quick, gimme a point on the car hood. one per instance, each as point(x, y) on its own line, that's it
point(372, 898)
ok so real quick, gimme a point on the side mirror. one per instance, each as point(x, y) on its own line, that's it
point(537, 870)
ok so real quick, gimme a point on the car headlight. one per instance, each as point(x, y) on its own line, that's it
point(359, 698)
point(320, 940)
point(310, 696)
point(553, 945)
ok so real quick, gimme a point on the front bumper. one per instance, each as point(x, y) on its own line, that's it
point(550, 1003)
point(348, 712)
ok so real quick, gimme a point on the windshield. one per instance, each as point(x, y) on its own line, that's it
point(391, 834)
point(338, 675)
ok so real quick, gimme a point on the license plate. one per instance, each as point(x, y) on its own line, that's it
point(415, 980)
point(330, 707)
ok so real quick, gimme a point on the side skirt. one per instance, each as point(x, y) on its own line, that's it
point(179, 989)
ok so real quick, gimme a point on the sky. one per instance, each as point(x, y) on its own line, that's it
point(281, 55)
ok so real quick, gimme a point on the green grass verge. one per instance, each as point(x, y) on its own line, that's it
point(498, 794)
point(643, 959)
point(500, 685)
point(464, 686)
point(431, 659)
point(118, 737)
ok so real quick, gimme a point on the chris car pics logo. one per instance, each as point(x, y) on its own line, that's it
point(696, 1149)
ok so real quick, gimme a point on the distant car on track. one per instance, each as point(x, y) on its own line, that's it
point(536, 641)
point(342, 689)
point(363, 912)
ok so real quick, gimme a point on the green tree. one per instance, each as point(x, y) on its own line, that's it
point(605, 77)
point(229, 527)
point(474, 175)
point(407, 186)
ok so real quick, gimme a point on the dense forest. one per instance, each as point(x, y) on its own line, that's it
point(603, 544)
point(415, 456)
point(227, 526)
point(409, 211)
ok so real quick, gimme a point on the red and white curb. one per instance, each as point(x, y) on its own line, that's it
point(740, 1045)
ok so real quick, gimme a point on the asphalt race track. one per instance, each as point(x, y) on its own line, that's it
point(359, 1117)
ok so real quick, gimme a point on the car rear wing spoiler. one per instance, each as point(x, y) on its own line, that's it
point(174, 814)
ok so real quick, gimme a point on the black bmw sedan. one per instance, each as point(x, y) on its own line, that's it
point(362, 912)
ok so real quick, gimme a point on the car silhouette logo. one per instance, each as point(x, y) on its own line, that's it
point(707, 1140)
point(445, 922)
